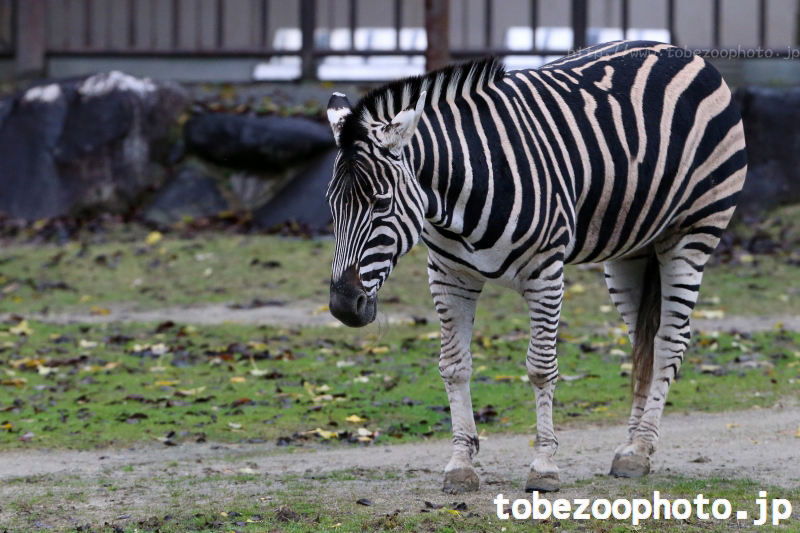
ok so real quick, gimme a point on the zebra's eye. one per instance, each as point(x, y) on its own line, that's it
point(383, 204)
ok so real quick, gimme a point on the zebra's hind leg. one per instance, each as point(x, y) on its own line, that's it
point(544, 293)
point(625, 278)
point(681, 262)
point(455, 297)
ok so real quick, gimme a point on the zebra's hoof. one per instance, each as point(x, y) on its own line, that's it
point(461, 480)
point(542, 482)
point(630, 465)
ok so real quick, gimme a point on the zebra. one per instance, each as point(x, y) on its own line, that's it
point(629, 153)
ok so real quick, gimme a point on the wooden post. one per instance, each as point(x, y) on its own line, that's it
point(437, 27)
point(30, 37)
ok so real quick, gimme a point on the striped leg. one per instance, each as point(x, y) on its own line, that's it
point(544, 294)
point(625, 281)
point(681, 270)
point(455, 296)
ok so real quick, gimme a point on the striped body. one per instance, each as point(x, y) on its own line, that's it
point(629, 153)
point(570, 153)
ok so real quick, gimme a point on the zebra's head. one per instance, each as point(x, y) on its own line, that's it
point(377, 204)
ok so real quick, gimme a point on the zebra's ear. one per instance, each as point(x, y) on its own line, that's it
point(399, 131)
point(338, 109)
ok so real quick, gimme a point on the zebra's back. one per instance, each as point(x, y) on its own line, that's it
point(652, 140)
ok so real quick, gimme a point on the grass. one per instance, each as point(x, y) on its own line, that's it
point(107, 385)
point(123, 269)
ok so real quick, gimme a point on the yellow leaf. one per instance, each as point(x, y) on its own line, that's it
point(166, 383)
point(15, 382)
point(430, 336)
point(730, 426)
point(238, 379)
point(481, 368)
point(21, 329)
point(189, 392)
point(626, 367)
point(8, 426)
point(576, 289)
point(364, 432)
point(355, 419)
point(85, 298)
point(600, 409)
point(153, 237)
point(83, 343)
point(101, 311)
point(379, 349)
point(453, 511)
point(708, 313)
point(798, 433)
point(321, 309)
point(45, 370)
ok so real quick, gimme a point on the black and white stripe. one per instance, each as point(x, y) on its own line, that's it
point(629, 153)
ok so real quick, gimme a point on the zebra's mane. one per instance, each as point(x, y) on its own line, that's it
point(443, 85)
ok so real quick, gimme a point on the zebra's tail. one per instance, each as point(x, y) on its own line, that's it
point(647, 323)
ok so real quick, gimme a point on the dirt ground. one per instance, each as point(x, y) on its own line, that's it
point(310, 314)
point(152, 480)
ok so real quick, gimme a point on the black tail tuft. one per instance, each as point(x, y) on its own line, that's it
point(647, 323)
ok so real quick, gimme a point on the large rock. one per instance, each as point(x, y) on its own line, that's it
point(303, 199)
point(771, 118)
point(84, 145)
point(261, 144)
point(193, 193)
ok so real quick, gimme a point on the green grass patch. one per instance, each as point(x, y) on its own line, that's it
point(110, 385)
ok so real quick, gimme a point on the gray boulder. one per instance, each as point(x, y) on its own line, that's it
point(770, 118)
point(193, 193)
point(260, 144)
point(302, 199)
point(84, 145)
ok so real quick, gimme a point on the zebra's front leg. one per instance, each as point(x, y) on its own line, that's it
point(455, 297)
point(544, 295)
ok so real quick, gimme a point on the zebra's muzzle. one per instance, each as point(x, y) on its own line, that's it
point(350, 303)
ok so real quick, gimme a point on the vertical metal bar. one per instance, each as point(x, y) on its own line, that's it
point(671, 22)
point(580, 12)
point(153, 25)
point(68, 10)
point(534, 22)
point(465, 24)
point(762, 24)
point(625, 15)
point(109, 34)
point(176, 22)
point(30, 34)
point(131, 23)
point(198, 25)
point(716, 20)
point(353, 21)
point(487, 37)
point(398, 22)
point(308, 13)
point(220, 24)
point(264, 24)
point(87, 23)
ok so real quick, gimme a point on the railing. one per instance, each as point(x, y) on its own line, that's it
point(34, 30)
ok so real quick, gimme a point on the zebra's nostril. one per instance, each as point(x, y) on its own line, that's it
point(361, 304)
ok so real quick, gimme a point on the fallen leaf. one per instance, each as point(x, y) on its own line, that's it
point(21, 329)
point(238, 379)
point(364, 501)
point(730, 426)
point(247, 470)
point(355, 419)
point(153, 237)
